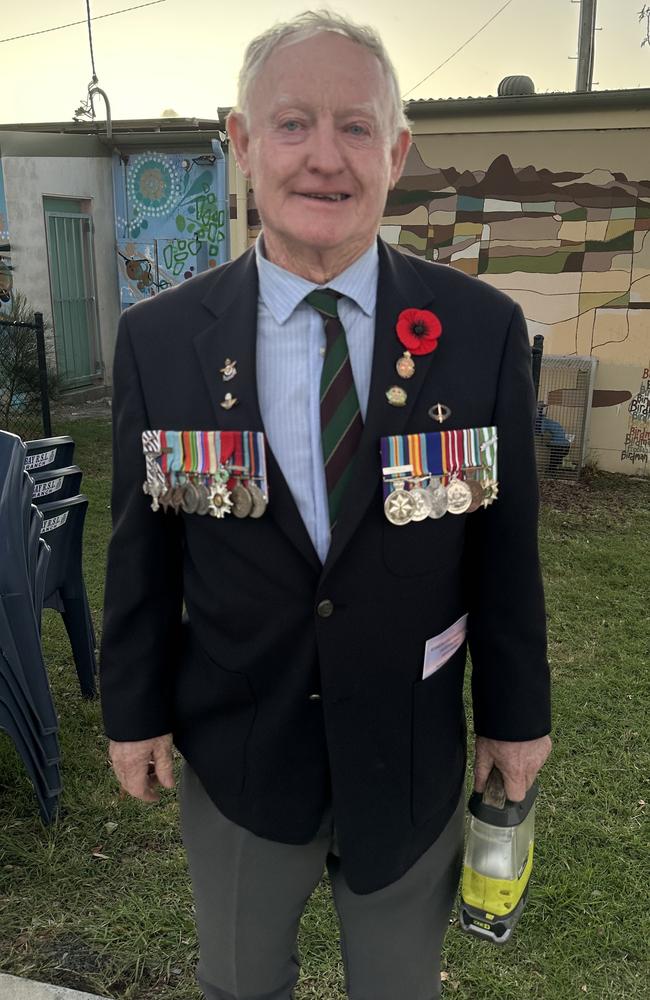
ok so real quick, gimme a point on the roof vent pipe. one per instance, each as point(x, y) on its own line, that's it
point(516, 86)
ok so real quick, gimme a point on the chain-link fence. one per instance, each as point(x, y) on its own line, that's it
point(563, 410)
point(24, 394)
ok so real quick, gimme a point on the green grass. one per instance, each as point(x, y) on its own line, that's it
point(122, 926)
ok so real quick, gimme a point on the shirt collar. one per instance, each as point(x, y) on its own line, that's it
point(282, 291)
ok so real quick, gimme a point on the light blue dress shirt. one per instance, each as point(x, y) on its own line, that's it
point(290, 351)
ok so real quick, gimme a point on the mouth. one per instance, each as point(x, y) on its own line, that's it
point(333, 196)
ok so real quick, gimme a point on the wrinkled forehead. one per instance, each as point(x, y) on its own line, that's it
point(327, 72)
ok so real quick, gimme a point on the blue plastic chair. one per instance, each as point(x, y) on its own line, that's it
point(26, 709)
point(65, 590)
point(56, 484)
point(49, 453)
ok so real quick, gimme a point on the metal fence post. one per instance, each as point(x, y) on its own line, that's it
point(537, 351)
point(42, 372)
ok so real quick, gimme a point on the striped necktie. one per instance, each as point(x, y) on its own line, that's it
point(340, 418)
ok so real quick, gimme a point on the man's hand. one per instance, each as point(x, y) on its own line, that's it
point(142, 765)
point(517, 762)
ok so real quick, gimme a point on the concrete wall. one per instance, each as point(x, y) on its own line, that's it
point(28, 178)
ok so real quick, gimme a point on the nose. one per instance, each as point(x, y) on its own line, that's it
point(324, 154)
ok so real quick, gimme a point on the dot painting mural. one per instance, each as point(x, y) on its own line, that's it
point(171, 219)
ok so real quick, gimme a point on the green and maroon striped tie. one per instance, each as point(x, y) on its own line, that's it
point(340, 418)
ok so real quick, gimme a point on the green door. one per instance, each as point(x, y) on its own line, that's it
point(72, 282)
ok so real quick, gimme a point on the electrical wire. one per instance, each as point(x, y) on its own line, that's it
point(90, 41)
point(59, 27)
point(459, 49)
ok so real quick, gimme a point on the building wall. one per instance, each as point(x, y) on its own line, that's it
point(27, 179)
point(559, 219)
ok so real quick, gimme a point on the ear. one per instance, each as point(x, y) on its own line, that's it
point(398, 155)
point(239, 137)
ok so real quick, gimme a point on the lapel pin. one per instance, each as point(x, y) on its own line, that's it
point(396, 396)
point(439, 412)
point(405, 365)
point(229, 370)
point(229, 401)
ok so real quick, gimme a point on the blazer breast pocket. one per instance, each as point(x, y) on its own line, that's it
point(420, 548)
point(438, 738)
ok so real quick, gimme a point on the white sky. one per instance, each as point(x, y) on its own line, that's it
point(185, 54)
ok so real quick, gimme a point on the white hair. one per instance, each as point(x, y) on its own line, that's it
point(304, 26)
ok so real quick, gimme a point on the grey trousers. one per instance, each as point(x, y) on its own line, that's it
point(250, 893)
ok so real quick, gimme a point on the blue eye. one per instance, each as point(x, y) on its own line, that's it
point(357, 129)
point(291, 126)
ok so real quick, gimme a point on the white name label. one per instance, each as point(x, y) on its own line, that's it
point(49, 486)
point(38, 461)
point(55, 522)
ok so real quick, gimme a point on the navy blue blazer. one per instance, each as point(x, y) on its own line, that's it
point(235, 683)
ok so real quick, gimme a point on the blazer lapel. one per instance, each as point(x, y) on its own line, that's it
point(399, 287)
point(232, 299)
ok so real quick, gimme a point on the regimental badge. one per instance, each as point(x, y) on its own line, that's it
point(229, 401)
point(229, 370)
point(396, 396)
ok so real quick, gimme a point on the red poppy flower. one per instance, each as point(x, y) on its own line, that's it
point(418, 330)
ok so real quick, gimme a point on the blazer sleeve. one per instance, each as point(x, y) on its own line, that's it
point(144, 594)
point(507, 620)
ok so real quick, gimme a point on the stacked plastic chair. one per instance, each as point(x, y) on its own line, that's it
point(27, 711)
point(56, 493)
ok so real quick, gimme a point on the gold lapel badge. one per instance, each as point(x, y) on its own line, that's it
point(229, 401)
point(396, 396)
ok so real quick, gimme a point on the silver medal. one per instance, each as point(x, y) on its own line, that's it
point(438, 500)
point(399, 506)
point(459, 496)
point(422, 503)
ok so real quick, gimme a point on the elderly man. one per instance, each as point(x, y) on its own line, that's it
point(314, 686)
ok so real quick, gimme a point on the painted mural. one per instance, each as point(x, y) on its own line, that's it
point(6, 272)
point(171, 218)
point(572, 248)
point(637, 439)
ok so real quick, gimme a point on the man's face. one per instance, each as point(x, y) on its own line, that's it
point(318, 146)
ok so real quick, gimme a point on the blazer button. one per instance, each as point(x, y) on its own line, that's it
point(325, 609)
point(314, 697)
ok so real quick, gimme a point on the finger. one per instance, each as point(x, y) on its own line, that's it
point(482, 767)
point(164, 768)
point(515, 788)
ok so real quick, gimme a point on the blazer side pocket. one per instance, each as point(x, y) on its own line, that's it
point(214, 711)
point(438, 739)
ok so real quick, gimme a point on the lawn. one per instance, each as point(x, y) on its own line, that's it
point(101, 901)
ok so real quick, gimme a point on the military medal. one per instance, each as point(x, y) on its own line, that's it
point(229, 401)
point(258, 501)
point(190, 501)
point(459, 496)
point(405, 365)
point(490, 491)
point(438, 501)
point(399, 505)
point(459, 468)
point(422, 503)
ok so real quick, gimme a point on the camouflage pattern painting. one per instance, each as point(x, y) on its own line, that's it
point(572, 248)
